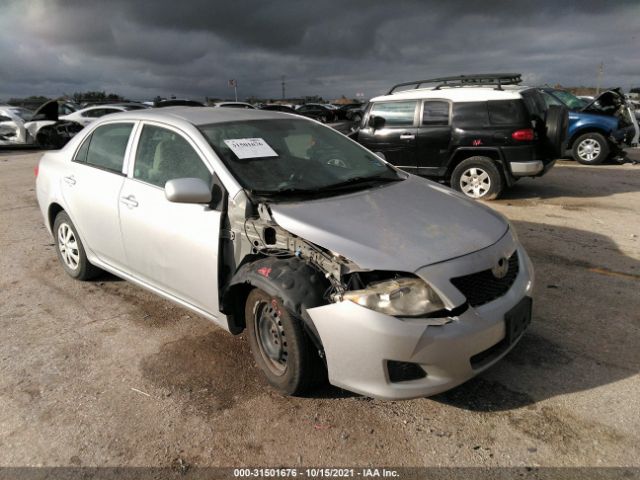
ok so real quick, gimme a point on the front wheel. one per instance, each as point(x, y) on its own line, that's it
point(590, 149)
point(280, 346)
point(477, 178)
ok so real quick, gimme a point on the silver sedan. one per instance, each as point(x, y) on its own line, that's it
point(335, 262)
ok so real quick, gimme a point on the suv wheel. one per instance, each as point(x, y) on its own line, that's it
point(478, 178)
point(280, 346)
point(590, 149)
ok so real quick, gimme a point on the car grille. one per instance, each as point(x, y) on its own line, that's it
point(483, 287)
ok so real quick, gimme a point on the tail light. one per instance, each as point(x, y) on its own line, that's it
point(36, 169)
point(524, 135)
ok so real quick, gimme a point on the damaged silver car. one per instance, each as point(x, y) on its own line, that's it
point(42, 128)
point(332, 260)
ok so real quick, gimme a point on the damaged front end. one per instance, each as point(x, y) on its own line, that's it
point(613, 103)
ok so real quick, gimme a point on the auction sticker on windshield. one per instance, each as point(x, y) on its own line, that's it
point(250, 148)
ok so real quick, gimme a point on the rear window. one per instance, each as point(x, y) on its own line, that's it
point(507, 112)
point(470, 114)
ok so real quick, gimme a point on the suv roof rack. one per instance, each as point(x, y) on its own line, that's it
point(498, 79)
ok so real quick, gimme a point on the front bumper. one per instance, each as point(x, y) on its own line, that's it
point(359, 342)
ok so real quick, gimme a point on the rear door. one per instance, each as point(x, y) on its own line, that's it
point(397, 138)
point(91, 188)
point(170, 246)
point(434, 137)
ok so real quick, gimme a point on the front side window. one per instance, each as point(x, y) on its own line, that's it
point(106, 146)
point(164, 155)
point(435, 113)
point(395, 114)
point(293, 155)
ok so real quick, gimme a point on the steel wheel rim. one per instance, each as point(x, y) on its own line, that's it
point(270, 336)
point(475, 182)
point(589, 149)
point(68, 246)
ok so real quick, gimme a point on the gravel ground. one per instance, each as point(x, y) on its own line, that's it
point(106, 374)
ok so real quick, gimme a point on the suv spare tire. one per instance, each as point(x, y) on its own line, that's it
point(556, 127)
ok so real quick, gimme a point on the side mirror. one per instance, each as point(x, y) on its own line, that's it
point(376, 122)
point(187, 190)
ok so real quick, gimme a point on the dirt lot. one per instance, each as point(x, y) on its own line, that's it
point(106, 374)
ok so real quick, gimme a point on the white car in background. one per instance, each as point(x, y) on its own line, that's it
point(87, 115)
point(20, 126)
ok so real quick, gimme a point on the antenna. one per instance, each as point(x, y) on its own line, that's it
point(283, 85)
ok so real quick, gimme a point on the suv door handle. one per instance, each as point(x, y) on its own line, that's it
point(70, 180)
point(129, 201)
point(407, 136)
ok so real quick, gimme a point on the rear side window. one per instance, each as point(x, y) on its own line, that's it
point(106, 147)
point(507, 112)
point(396, 114)
point(470, 114)
point(435, 113)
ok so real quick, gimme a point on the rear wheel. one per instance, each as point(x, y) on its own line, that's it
point(280, 345)
point(477, 178)
point(590, 149)
point(70, 250)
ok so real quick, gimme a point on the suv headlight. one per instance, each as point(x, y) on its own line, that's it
point(399, 297)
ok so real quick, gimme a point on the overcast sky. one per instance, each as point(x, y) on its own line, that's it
point(190, 48)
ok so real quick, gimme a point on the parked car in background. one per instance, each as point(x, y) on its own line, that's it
point(278, 108)
point(234, 105)
point(352, 112)
point(176, 102)
point(331, 259)
point(598, 128)
point(470, 131)
point(87, 115)
point(318, 111)
point(19, 126)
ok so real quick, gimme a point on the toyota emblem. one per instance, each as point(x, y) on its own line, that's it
point(501, 268)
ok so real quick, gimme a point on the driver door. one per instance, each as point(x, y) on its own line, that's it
point(170, 246)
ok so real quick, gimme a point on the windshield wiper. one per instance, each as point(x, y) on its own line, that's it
point(355, 181)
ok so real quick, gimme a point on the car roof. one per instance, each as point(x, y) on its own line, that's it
point(455, 94)
point(201, 115)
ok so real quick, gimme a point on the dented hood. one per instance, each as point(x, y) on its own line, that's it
point(47, 111)
point(607, 102)
point(401, 226)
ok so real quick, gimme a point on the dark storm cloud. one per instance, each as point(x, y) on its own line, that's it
point(191, 48)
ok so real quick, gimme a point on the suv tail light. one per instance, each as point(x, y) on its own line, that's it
point(36, 169)
point(524, 135)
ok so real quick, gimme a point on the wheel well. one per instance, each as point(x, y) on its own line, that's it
point(233, 306)
point(582, 132)
point(54, 210)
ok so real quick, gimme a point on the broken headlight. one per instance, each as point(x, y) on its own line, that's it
point(399, 297)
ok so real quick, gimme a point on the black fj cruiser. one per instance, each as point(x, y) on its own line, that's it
point(473, 131)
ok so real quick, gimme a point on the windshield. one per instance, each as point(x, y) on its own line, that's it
point(291, 155)
point(570, 100)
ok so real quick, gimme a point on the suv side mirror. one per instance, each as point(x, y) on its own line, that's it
point(187, 190)
point(376, 122)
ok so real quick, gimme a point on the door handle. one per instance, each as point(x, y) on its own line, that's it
point(70, 180)
point(129, 201)
point(407, 136)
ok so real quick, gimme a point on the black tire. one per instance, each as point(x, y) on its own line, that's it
point(469, 180)
point(556, 128)
point(68, 250)
point(590, 149)
point(294, 368)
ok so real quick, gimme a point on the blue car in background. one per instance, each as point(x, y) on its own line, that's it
point(598, 128)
